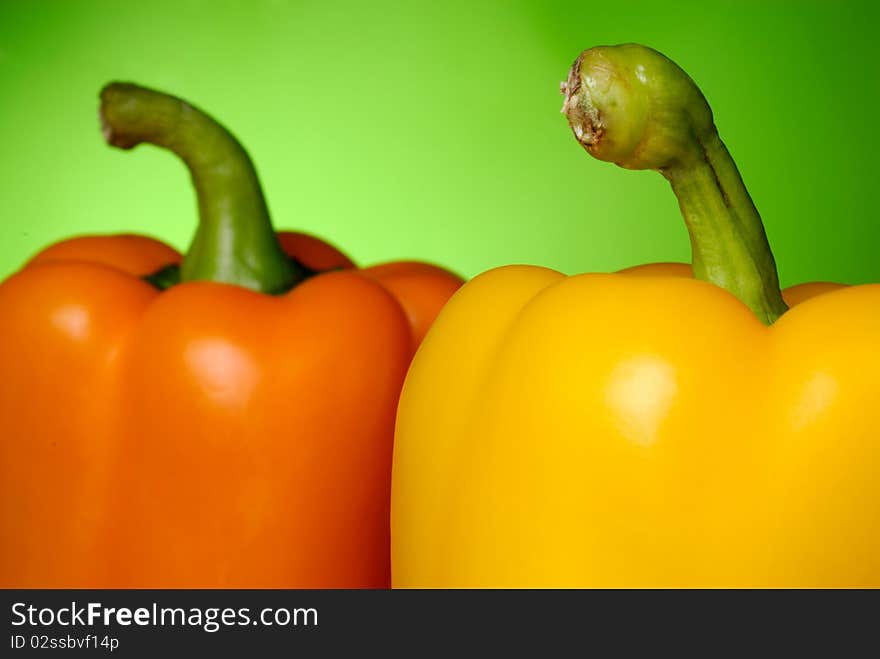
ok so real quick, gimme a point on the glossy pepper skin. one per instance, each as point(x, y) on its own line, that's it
point(210, 434)
point(645, 429)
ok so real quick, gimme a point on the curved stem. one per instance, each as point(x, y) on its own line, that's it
point(235, 242)
point(728, 242)
point(632, 106)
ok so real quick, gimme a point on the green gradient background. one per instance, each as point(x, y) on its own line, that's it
point(431, 130)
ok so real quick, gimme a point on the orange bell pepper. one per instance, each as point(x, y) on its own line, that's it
point(223, 419)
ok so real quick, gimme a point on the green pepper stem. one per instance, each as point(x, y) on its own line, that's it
point(235, 242)
point(632, 106)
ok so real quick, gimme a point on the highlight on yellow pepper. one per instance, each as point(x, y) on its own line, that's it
point(661, 430)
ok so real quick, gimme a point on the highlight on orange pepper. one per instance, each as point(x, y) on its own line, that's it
point(657, 428)
point(221, 419)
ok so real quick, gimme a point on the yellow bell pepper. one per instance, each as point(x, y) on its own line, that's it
point(612, 430)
